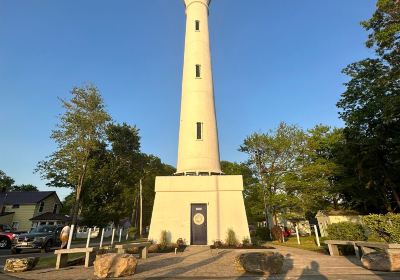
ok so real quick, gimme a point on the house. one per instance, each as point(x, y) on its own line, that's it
point(24, 210)
point(326, 218)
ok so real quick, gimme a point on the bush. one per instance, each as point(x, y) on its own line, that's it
point(263, 233)
point(132, 232)
point(231, 239)
point(246, 241)
point(385, 226)
point(346, 231)
point(163, 240)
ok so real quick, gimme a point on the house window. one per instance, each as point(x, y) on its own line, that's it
point(41, 206)
point(15, 206)
point(199, 130)
point(55, 208)
point(197, 25)
point(198, 71)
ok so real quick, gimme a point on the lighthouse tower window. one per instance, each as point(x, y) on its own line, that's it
point(198, 71)
point(197, 25)
point(199, 131)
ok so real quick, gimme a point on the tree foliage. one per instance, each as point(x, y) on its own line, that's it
point(79, 135)
point(370, 107)
point(7, 184)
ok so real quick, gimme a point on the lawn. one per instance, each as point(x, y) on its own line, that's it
point(45, 262)
point(306, 243)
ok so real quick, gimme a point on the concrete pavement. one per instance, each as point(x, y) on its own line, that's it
point(203, 263)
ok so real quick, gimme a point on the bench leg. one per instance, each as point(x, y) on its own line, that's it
point(121, 251)
point(333, 250)
point(87, 257)
point(357, 251)
point(143, 252)
point(62, 261)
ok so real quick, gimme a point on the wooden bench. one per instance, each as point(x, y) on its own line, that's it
point(333, 246)
point(62, 256)
point(142, 246)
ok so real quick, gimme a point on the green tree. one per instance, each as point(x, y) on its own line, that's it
point(80, 130)
point(24, 188)
point(6, 182)
point(314, 182)
point(370, 107)
point(272, 156)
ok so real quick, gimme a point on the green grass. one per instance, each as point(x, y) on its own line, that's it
point(306, 243)
point(45, 262)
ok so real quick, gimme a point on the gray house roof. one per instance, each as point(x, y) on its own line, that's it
point(24, 197)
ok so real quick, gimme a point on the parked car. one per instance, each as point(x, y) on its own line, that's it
point(43, 237)
point(6, 239)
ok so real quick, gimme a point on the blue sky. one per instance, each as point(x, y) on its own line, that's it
point(273, 60)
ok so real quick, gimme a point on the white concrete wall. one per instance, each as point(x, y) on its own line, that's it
point(225, 206)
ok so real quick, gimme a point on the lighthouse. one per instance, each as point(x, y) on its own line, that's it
point(198, 204)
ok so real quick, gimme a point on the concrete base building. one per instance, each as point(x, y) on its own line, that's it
point(199, 203)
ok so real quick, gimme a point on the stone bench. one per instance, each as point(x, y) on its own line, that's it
point(387, 247)
point(142, 246)
point(334, 250)
point(62, 256)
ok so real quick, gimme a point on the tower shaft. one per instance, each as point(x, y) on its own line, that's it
point(198, 151)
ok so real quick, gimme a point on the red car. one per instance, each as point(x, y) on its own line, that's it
point(6, 239)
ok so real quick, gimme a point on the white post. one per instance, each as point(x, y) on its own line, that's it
point(101, 239)
point(283, 237)
point(71, 232)
point(120, 235)
point(112, 237)
point(297, 234)
point(141, 209)
point(88, 237)
point(127, 234)
point(316, 235)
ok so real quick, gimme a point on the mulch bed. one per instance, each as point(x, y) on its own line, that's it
point(241, 247)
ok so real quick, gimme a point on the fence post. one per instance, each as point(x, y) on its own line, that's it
point(88, 237)
point(112, 237)
point(101, 239)
point(316, 235)
point(297, 234)
point(71, 233)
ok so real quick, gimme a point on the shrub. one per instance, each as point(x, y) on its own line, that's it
point(217, 243)
point(163, 240)
point(346, 231)
point(385, 226)
point(246, 241)
point(231, 239)
point(132, 232)
point(263, 233)
point(277, 233)
point(180, 242)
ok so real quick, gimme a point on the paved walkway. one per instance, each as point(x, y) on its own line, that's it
point(203, 263)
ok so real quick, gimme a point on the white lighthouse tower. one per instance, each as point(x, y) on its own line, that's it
point(198, 204)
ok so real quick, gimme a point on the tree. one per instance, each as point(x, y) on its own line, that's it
point(24, 188)
point(314, 181)
point(370, 107)
point(272, 156)
point(6, 182)
point(80, 130)
point(115, 173)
